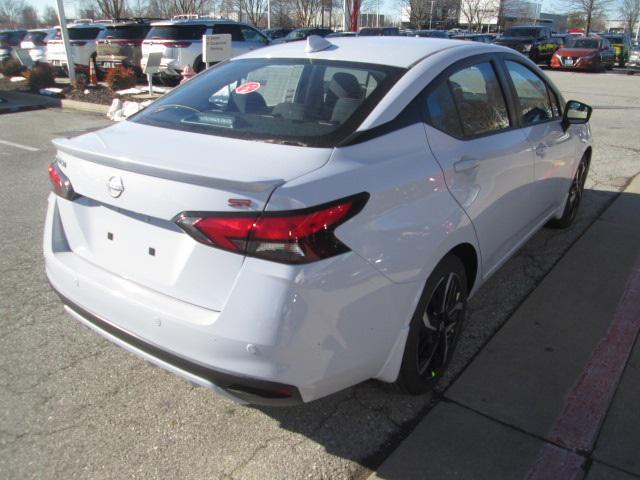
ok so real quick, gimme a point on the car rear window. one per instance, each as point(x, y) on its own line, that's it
point(37, 38)
point(128, 32)
point(177, 32)
point(523, 32)
point(316, 103)
point(585, 43)
point(12, 37)
point(80, 33)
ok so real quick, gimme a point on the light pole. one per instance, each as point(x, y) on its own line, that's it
point(268, 13)
point(431, 14)
point(378, 13)
point(65, 39)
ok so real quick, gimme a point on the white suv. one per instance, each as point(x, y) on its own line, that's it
point(83, 45)
point(36, 43)
point(309, 216)
point(180, 42)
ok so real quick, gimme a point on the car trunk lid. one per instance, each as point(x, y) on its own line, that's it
point(134, 180)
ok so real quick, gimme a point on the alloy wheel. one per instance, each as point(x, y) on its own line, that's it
point(440, 325)
point(577, 188)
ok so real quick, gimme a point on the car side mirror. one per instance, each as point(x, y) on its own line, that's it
point(576, 113)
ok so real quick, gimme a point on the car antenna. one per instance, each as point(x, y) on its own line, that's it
point(316, 43)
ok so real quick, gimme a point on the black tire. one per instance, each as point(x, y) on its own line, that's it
point(574, 198)
point(433, 334)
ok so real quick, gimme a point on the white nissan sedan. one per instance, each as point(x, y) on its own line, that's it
point(308, 216)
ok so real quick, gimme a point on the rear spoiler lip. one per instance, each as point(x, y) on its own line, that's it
point(65, 145)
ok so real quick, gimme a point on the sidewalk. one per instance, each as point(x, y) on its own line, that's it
point(556, 393)
point(11, 102)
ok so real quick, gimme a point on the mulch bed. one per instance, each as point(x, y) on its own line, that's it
point(101, 95)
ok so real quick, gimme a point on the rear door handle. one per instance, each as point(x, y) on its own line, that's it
point(465, 163)
point(541, 150)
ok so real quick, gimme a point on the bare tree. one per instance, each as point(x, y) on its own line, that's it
point(589, 9)
point(477, 12)
point(49, 16)
point(137, 8)
point(255, 10)
point(305, 12)
point(11, 12)
point(282, 14)
point(29, 17)
point(630, 11)
point(113, 9)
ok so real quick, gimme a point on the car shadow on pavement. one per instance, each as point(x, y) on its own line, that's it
point(365, 423)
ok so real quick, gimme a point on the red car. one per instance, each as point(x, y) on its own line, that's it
point(585, 53)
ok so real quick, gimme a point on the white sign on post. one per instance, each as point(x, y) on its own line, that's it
point(216, 48)
point(23, 57)
point(152, 66)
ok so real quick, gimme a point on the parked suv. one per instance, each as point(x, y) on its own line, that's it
point(180, 42)
point(121, 44)
point(36, 43)
point(83, 45)
point(535, 42)
point(8, 40)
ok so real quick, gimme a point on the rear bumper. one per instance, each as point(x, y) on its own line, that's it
point(243, 389)
point(286, 334)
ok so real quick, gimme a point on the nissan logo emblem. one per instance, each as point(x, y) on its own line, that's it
point(115, 186)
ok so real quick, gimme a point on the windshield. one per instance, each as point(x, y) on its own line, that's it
point(304, 102)
point(177, 32)
point(585, 43)
point(522, 32)
point(80, 33)
point(615, 39)
point(126, 32)
point(298, 34)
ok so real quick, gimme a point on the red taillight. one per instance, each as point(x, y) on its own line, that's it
point(61, 184)
point(290, 237)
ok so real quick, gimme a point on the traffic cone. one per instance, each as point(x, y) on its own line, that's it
point(93, 78)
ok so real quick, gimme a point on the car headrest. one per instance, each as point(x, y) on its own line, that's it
point(345, 85)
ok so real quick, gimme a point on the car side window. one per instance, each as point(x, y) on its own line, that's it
point(479, 100)
point(251, 35)
point(534, 96)
point(442, 112)
point(233, 30)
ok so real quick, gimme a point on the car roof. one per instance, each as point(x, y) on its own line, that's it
point(393, 51)
point(193, 21)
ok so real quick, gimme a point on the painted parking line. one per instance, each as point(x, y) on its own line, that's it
point(587, 404)
point(19, 145)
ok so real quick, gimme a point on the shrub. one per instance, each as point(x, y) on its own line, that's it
point(10, 67)
point(40, 76)
point(120, 78)
point(80, 83)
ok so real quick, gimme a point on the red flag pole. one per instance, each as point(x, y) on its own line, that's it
point(354, 15)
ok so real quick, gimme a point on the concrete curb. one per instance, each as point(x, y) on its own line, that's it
point(20, 108)
point(84, 106)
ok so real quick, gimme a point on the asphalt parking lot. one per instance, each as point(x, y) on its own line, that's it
point(74, 406)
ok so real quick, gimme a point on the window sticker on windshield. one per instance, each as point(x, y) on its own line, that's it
point(247, 88)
